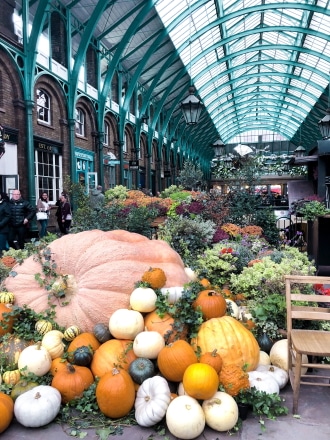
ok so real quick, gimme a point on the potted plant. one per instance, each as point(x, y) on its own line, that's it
point(312, 209)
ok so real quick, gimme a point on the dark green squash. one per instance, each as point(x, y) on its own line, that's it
point(265, 343)
point(101, 332)
point(141, 369)
point(83, 356)
point(21, 387)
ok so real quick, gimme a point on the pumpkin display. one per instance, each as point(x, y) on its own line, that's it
point(152, 400)
point(42, 326)
point(126, 324)
point(114, 353)
point(11, 347)
point(233, 379)
point(7, 298)
point(185, 418)
point(143, 299)
point(72, 382)
point(38, 406)
point(232, 308)
point(58, 364)
point(71, 332)
point(101, 332)
point(21, 387)
point(115, 393)
point(34, 359)
point(263, 381)
point(53, 342)
point(148, 344)
point(174, 358)
point(221, 411)
point(281, 376)
point(11, 377)
point(279, 356)
point(101, 269)
point(141, 369)
point(84, 339)
point(83, 356)
point(211, 303)
point(164, 325)
point(6, 320)
point(155, 277)
point(191, 274)
point(172, 294)
point(6, 411)
point(264, 358)
point(212, 358)
point(235, 344)
point(200, 381)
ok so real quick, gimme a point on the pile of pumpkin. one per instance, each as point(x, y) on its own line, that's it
point(135, 368)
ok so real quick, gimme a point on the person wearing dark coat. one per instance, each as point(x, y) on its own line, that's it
point(4, 221)
point(21, 213)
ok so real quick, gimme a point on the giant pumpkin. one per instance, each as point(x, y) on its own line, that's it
point(101, 269)
point(235, 343)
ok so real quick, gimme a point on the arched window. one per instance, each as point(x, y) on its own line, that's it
point(106, 138)
point(80, 122)
point(43, 106)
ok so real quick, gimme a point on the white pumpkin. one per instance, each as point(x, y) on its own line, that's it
point(126, 324)
point(191, 274)
point(53, 342)
point(37, 407)
point(281, 376)
point(34, 359)
point(221, 411)
point(279, 356)
point(173, 294)
point(263, 381)
point(185, 418)
point(152, 400)
point(143, 299)
point(264, 358)
point(181, 391)
point(232, 308)
point(148, 344)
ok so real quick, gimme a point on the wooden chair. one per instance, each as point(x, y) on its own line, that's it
point(315, 344)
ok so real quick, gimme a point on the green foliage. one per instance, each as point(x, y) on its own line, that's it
point(172, 189)
point(271, 310)
point(265, 218)
point(119, 192)
point(191, 175)
point(312, 209)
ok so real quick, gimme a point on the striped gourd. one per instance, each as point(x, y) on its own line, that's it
point(71, 332)
point(7, 298)
point(42, 326)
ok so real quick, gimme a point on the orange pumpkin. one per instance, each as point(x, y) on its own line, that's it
point(233, 379)
point(205, 283)
point(174, 358)
point(164, 325)
point(100, 270)
point(211, 303)
point(6, 321)
point(58, 364)
point(200, 381)
point(114, 353)
point(84, 339)
point(155, 277)
point(115, 393)
point(213, 359)
point(6, 411)
point(235, 343)
point(72, 382)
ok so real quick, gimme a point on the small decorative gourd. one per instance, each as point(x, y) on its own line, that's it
point(21, 387)
point(42, 326)
point(126, 324)
point(7, 298)
point(71, 332)
point(212, 358)
point(11, 377)
point(53, 342)
point(155, 276)
point(83, 356)
point(38, 406)
point(152, 400)
point(101, 332)
point(141, 369)
point(148, 344)
point(143, 299)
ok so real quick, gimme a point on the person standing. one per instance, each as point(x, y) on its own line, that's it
point(43, 211)
point(21, 212)
point(4, 221)
point(96, 198)
point(66, 213)
point(58, 214)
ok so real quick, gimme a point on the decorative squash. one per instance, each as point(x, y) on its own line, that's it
point(34, 359)
point(84, 339)
point(101, 269)
point(143, 299)
point(155, 276)
point(38, 406)
point(263, 381)
point(148, 344)
point(265, 343)
point(212, 358)
point(71, 332)
point(72, 382)
point(11, 377)
point(126, 324)
point(172, 294)
point(114, 353)
point(221, 412)
point(200, 381)
point(185, 418)
point(211, 303)
point(42, 326)
point(152, 400)
point(7, 298)
point(10, 348)
point(83, 356)
point(281, 376)
point(6, 411)
point(101, 332)
point(115, 393)
point(141, 369)
point(53, 342)
point(233, 379)
point(235, 344)
point(174, 358)
point(6, 320)
point(21, 387)
point(264, 358)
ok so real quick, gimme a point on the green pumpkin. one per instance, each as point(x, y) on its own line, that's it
point(10, 349)
point(141, 369)
point(101, 332)
point(21, 387)
point(83, 356)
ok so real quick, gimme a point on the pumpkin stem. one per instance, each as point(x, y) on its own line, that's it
point(37, 396)
point(214, 352)
point(115, 371)
point(71, 369)
point(38, 345)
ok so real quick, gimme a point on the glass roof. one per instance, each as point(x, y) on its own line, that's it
point(256, 64)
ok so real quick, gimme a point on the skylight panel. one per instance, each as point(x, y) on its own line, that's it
point(244, 42)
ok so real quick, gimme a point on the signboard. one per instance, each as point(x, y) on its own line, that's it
point(133, 164)
point(167, 173)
